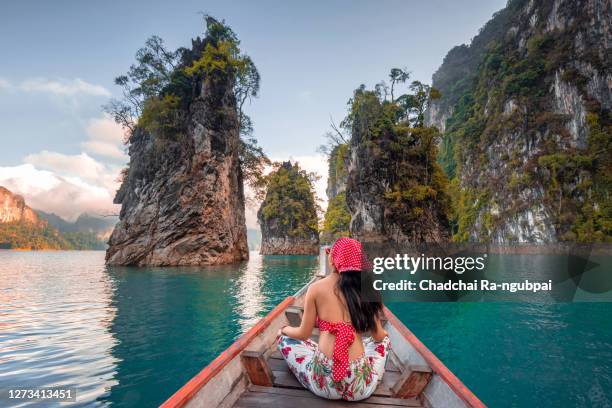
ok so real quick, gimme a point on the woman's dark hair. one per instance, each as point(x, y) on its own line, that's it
point(364, 306)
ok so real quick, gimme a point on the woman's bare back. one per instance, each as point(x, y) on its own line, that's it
point(331, 306)
point(325, 301)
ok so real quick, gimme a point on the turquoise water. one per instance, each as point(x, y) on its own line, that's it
point(130, 337)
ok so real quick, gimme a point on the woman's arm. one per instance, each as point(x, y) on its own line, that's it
point(308, 319)
point(378, 334)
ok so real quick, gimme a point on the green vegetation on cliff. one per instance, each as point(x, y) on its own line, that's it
point(395, 155)
point(159, 89)
point(27, 229)
point(337, 166)
point(289, 208)
point(23, 235)
point(509, 102)
point(20, 235)
point(337, 216)
point(337, 219)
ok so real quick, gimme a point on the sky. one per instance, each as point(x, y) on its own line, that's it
point(59, 60)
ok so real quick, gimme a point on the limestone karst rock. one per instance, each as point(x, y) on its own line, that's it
point(525, 112)
point(288, 215)
point(14, 209)
point(182, 197)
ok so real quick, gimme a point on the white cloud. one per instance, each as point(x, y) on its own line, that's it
point(76, 168)
point(63, 87)
point(105, 138)
point(70, 184)
point(34, 181)
point(65, 196)
point(80, 164)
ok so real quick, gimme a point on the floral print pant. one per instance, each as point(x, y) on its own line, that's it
point(314, 370)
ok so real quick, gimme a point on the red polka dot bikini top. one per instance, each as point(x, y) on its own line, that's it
point(345, 335)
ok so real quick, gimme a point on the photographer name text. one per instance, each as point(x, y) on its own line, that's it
point(454, 285)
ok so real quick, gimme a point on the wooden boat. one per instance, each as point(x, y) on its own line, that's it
point(252, 373)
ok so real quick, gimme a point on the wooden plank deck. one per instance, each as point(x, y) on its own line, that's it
point(257, 396)
point(288, 392)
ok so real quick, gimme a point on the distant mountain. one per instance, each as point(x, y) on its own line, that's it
point(21, 227)
point(14, 209)
point(55, 221)
point(102, 227)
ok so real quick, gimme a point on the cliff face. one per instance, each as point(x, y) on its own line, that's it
point(377, 205)
point(182, 198)
point(14, 209)
point(277, 244)
point(337, 216)
point(525, 113)
point(337, 171)
point(21, 228)
point(288, 215)
point(460, 68)
point(367, 185)
point(395, 190)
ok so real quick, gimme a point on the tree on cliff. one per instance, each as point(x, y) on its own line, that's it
point(337, 219)
point(190, 146)
point(158, 89)
point(289, 210)
point(395, 165)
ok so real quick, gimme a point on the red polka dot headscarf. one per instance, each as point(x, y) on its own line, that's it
point(347, 256)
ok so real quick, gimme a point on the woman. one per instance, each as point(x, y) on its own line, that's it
point(342, 365)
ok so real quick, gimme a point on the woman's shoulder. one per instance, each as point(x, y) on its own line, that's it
point(321, 285)
point(315, 286)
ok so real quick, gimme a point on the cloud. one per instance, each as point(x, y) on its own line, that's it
point(65, 196)
point(81, 164)
point(105, 138)
point(63, 87)
point(79, 168)
point(35, 181)
point(69, 184)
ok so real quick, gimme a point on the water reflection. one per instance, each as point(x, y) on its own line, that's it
point(171, 322)
point(55, 323)
point(249, 297)
point(130, 337)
